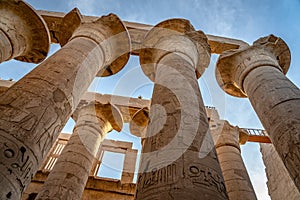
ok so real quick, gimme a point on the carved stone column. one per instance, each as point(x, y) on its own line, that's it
point(129, 166)
point(237, 181)
point(178, 158)
point(280, 184)
point(35, 109)
point(258, 73)
point(68, 178)
point(23, 33)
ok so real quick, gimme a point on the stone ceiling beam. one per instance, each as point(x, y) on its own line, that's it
point(137, 32)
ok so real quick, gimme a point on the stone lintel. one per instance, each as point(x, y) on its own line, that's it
point(137, 32)
point(64, 136)
point(116, 144)
point(233, 66)
point(110, 185)
point(127, 105)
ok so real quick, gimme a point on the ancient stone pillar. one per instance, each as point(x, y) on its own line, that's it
point(68, 178)
point(280, 184)
point(23, 33)
point(176, 163)
point(258, 73)
point(237, 181)
point(129, 166)
point(34, 110)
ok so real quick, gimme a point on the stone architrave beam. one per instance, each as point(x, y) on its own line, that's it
point(128, 106)
point(137, 32)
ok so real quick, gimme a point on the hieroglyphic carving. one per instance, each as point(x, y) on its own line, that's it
point(206, 176)
point(156, 177)
point(179, 128)
point(18, 159)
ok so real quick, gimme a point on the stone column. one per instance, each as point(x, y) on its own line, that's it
point(280, 184)
point(23, 33)
point(258, 73)
point(35, 109)
point(176, 162)
point(237, 181)
point(129, 166)
point(68, 178)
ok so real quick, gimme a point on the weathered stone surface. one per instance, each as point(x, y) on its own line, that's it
point(226, 139)
point(68, 178)
point(34, 110)
point(127, 105)
point(129, 166)
point(280, 184)
point(24, 35)
point(96, 188)
point(4, 85)
point(139, 123)
point(137, 33)
point(234, 66)
point(178, 159)
point(258, 72)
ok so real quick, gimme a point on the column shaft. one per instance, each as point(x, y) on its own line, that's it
point(237, 181)
point(35, 109)
point(257, 72)
point(68, 178)
point(129, 166)
point(172, 166)
point(276, 101)
point(280, 184)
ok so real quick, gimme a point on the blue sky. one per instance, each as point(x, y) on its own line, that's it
point(245, 20)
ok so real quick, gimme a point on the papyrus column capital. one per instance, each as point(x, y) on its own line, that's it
point(226, 135)
point(233, 66)
point(174, 36)
point(24, 35)
point(107, 112)
point(139, 122)
point(107, 31)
